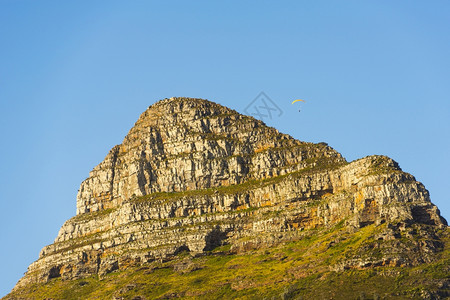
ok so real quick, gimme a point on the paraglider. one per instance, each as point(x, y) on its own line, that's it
point(298, 101)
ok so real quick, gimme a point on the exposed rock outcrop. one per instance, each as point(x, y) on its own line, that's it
point(192, 175)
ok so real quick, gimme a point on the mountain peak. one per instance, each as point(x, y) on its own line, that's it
point(188, 101)
point(181, 144)
point(193, 176)
point(177, 110)
point(177, 105)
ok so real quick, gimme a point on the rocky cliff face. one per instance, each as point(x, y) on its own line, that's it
point(192, 175)
point(190, 144)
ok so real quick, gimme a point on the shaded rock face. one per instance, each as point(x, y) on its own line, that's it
point(192, 175)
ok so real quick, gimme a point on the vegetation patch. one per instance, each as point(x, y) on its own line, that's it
point(302, 268)
point(93, 215)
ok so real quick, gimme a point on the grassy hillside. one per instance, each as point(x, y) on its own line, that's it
point(303, 269)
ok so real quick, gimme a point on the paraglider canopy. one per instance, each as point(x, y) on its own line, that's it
point(298, 100)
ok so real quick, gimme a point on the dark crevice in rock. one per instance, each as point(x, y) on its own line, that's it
point(181, 249)
point(54, 272)
point(214, 239)
point(115, 154)
point(421, 215)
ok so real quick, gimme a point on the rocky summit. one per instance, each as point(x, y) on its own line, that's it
point(202, 202)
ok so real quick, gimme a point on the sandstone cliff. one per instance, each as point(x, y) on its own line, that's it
point(192, 175)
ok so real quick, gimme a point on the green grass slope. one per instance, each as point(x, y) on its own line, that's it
point(302, 269)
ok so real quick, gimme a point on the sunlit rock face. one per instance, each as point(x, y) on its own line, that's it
point(192, 175)
point(182, 144)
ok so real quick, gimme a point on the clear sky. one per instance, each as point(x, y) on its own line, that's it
point(75, 76)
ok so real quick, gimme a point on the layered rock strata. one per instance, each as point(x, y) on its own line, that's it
point(192, 175)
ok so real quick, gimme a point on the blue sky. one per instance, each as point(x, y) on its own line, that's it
point(75, 76)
